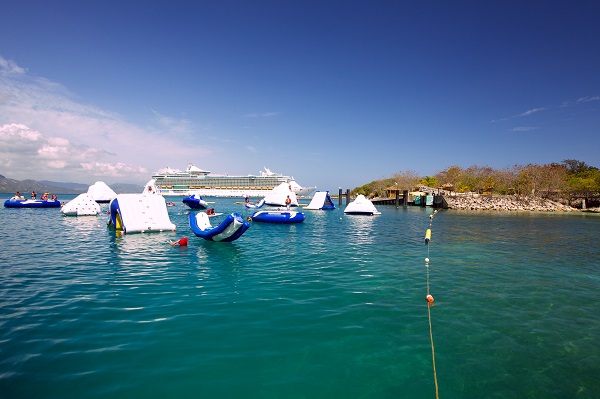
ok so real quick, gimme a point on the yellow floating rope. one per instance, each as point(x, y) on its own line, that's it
point(430, 301)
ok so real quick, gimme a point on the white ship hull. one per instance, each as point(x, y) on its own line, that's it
point(200, 182)
point(208, 192)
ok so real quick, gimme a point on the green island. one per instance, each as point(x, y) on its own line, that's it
point(569, 186)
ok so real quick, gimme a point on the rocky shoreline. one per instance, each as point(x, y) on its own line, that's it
point(507, 203)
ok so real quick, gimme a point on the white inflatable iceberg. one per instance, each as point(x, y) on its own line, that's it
point(278, 195)
point(82, 205)
point(361, 206)
point(101, 193)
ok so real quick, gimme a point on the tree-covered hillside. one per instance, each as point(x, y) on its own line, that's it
point(569, 180)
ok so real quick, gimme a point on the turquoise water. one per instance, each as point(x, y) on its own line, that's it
point(333, 307)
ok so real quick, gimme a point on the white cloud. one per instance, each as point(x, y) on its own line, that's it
point(47, 134)
point(532, 111)
point(523, 128)
point(587, 99)
point(10, 67)
point(263, 115)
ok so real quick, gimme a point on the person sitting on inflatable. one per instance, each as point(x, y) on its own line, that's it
point(210, 211)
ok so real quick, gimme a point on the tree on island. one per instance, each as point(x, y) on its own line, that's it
point(569, 180)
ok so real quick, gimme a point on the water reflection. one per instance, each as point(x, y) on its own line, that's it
point(82, 225)
point(360, 229)
point(218, 252)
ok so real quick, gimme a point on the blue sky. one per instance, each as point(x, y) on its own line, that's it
point(334, 93)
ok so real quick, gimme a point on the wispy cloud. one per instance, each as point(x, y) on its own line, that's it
point(9, 67)
point(587, 99)
point(173, 125)
point(523, 128)
point(531, 111)
point(45, 133)
point(262, 115)
point(522, 114)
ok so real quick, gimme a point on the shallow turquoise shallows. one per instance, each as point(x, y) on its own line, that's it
point(333, 307)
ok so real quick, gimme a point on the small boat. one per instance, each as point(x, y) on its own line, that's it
point(15, 202)
point(278, 217)
point(230, 229)
point(259, 204)
point(361, 206)
point(195, 201)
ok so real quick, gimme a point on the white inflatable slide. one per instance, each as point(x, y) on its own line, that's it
point(320, 201)
point(139, 213)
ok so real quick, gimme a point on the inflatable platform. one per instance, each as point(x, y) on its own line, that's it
point(282, 217)
point(30, 203)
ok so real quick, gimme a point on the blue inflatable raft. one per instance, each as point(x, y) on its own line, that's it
point(230, 229)
point(28, 203)
point(195, 201)
point(278, 217)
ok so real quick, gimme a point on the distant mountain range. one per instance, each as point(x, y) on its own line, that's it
point(8, 185)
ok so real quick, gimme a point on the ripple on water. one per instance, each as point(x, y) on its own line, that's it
point(331, 307)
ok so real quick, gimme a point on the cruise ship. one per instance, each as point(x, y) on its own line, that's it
point(194, 180)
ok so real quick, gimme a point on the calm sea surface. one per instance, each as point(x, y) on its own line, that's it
point(330, 308)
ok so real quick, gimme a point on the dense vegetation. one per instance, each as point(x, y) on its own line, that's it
point(569, 180)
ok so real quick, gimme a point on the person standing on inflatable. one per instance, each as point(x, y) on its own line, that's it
point(288, 202)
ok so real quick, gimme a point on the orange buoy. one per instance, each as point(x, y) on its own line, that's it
point(429, 298)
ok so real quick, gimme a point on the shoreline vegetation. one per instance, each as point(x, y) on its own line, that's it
point(570, 186)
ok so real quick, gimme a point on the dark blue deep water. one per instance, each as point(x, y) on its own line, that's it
point(330, 308)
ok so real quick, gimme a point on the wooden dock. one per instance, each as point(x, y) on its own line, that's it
point(434, 201)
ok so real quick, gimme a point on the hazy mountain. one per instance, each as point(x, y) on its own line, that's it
point(8, 185)
point(120, 188)
point(81, 188)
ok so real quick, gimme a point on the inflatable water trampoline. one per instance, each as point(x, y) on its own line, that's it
point(284, 217)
